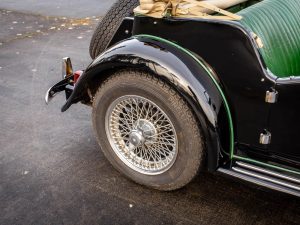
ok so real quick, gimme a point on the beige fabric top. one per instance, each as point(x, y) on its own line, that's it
point(188, 8)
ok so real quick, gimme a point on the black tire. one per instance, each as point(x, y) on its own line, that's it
point(109, 24)
point(190, 143)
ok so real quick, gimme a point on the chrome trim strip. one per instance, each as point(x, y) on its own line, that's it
point(265, 178)
point(258, 182)
point(262, 170)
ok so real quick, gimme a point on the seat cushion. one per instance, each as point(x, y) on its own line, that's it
point(277, 23)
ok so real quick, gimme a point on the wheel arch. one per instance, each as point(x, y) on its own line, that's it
point(175, 67)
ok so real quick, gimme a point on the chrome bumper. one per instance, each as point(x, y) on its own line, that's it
point(64, 85)
point(67, 84)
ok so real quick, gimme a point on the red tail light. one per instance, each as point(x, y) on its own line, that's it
point(77, 75)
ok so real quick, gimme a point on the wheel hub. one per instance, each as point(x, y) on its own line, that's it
point(141, 134)
point(144, 133)
point(136, 138)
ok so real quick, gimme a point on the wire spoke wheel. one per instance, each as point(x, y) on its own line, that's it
point(141, 134)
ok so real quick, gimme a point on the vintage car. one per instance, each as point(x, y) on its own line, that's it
point(175, 94)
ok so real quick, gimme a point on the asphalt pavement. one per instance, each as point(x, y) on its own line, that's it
point(51, 168)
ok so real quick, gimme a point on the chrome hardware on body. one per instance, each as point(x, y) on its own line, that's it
point(265, 138)
point(271, 96)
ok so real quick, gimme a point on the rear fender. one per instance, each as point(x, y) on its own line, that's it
point(172, 65)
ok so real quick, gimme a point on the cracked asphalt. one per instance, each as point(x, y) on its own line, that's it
point(51, 169)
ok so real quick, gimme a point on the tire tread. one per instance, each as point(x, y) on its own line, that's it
point(108, 25)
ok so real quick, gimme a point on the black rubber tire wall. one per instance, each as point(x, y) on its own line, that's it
point(108, 25)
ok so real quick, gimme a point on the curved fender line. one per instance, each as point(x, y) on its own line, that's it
point(228, 111)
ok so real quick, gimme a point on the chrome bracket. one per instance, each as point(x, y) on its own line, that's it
point(265, 138)
point(271, 96)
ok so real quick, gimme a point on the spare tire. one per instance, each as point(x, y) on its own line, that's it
point(109, 24)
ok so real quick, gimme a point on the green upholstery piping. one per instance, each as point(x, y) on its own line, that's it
point(277, 24)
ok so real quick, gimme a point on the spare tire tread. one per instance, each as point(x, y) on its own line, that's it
point(109, 24)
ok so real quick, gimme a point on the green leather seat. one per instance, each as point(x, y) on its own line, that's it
point(277, 23)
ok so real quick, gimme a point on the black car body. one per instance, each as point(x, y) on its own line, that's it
point(249, 115)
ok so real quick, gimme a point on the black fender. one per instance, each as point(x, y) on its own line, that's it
point(193, 80)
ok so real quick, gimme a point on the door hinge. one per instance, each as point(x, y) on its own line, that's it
point(265, 138)
point(271, 96)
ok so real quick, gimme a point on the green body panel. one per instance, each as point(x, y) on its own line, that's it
point(277, 24)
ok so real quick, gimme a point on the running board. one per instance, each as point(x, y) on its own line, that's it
point(264, 177)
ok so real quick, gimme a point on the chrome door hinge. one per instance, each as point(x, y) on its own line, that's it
point(271, 96)
point(265, 138)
